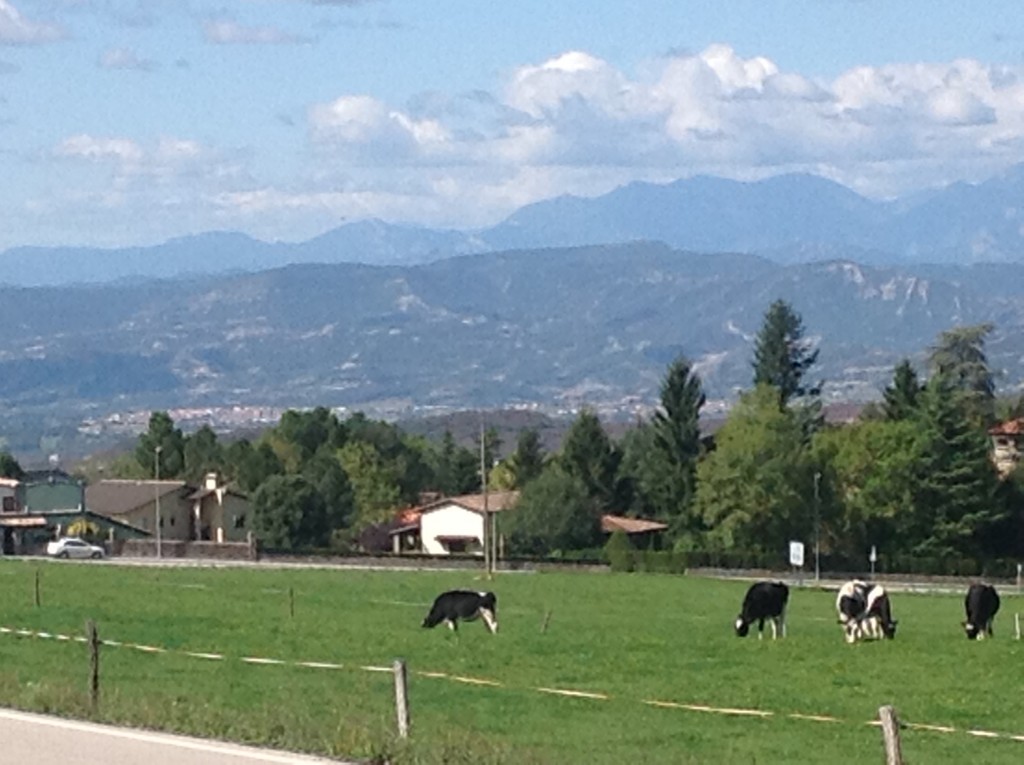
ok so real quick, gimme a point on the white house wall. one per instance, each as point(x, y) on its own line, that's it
point(449, 521)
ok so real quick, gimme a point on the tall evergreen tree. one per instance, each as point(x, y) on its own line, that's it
point(782, 357)
point(677, 436)
point(527, 461)
point(959, 357)
point(900, 398)
point(456, 468)
point(954, 502)
point(589, 456)
point(161, 433)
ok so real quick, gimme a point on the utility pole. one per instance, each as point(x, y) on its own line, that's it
point(817, 530)
point(156, 492)
point(488, 552)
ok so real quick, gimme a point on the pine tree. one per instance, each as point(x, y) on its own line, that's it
point(901, 397)
point(954, 503)
point(781, 355)
point(959, 357)
point(677, 437)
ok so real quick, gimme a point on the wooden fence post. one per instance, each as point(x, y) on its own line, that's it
point(402, 697)
point(291, 602)
point(544, 624)
point(891, 735)
point(1016, 624)
point(37, 589)
point(93, 641)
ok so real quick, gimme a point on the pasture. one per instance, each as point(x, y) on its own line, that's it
point(629, 638)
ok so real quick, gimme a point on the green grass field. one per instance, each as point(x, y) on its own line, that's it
point(632, 637)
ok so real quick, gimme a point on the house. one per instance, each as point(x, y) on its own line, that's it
point(136, 503)
point(211, 512)
point(219, 514)
point(455, 525)
point(42, 505)
point(1007, 445)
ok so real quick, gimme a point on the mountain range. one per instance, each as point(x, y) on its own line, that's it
point(527, 314)
point(788, 219)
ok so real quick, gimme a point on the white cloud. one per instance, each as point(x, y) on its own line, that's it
point(230, 32)
point(576, 124)
point(125, 58)
point(15, 29)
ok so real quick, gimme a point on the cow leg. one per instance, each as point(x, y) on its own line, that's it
point(775, 627)
point(452, 625)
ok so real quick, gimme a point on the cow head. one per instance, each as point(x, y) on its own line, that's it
point(971, 630)
point(742, 627)
point(889, 629)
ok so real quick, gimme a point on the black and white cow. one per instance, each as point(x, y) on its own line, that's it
point(764, 600)
point(455, 605)
point(981, 604)
point(878, 619)
point(864, 611)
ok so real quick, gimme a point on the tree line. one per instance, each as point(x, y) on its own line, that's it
point(912, 475)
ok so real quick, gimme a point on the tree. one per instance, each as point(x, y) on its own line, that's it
point(555, 512)
point(249, 466)
point(589, 456)
point(310, 430)
point(782, 357)
point(203, 454)
point(754, 491)
point(954, 503)
point(456, 468)
point(9, 466)
point(527, 461)
point(374, 484)
point(900, 398)
point(325, 474)
point(959, 357)
point(868, 485)
point(677, 437)
point(288, 512)
point(161, 433)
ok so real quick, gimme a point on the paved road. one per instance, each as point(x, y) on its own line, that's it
point(41, 740)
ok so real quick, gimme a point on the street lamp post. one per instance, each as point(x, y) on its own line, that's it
point(817, 530)
point(156, 491)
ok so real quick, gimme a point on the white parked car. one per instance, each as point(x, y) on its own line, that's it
point(73, 547)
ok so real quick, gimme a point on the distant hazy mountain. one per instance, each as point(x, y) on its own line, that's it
point(788, 219)
point(558, 327)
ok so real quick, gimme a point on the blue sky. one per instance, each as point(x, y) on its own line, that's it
point(134, 121)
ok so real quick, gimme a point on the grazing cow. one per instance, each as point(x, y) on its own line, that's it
point(981, 605)
point(764, 600)
point(851, 603)
point(865, 611)
point(878, 614)
point(455, 605)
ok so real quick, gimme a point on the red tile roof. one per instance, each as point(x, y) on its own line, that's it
point(612, 523)
point(1008, 428)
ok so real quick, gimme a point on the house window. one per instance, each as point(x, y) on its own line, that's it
point(240, 520)
point(9, 505)
point(172, 520)
point(456, 545)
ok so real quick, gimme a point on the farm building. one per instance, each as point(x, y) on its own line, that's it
point(44, 504)
point(1007, 445)
point(455, 525)
point(211, 512)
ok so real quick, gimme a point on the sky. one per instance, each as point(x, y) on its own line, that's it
point(130, 122)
